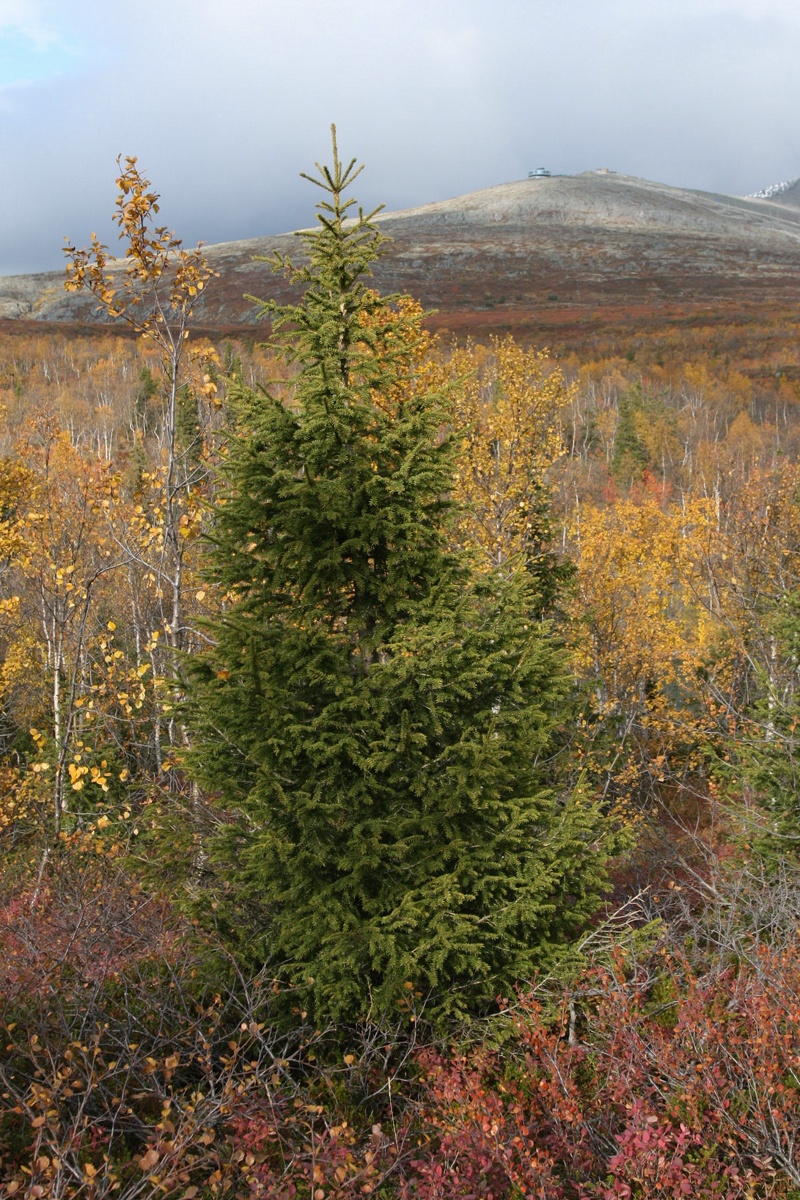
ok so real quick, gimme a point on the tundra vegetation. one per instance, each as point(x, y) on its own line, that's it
point(398, 746)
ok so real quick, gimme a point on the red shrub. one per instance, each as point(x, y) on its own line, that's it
point(693, 1096)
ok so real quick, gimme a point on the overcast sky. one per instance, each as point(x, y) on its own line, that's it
point(226, 101)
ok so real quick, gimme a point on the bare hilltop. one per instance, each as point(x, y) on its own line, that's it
point(598, 238)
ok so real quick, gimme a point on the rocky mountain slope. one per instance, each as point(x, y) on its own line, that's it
point(594, 238)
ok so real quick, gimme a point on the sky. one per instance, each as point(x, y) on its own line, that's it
point(225, 102)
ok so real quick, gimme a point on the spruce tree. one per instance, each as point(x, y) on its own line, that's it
point(630, 456)
point(765, 755)
point(376, 718)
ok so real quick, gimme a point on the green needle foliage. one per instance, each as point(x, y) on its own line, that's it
point(376, 718)
point(630, 456)
point(766, 752)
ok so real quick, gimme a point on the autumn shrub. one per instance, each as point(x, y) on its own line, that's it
point(137, 1061)
point(610, 1100)
point(106, 1035)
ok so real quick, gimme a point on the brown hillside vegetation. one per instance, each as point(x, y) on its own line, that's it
point(594, 239)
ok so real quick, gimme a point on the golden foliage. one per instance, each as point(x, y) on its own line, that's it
point(507, 411)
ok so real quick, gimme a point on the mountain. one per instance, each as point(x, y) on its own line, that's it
point(597, 238)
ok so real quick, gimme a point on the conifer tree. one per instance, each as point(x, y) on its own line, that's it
point(765, 755)
point(630, 456)
point(378, 716)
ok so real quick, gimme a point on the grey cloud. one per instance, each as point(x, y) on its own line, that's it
point(225, 101)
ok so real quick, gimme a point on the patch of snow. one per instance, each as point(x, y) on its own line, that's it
point(773, 190)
